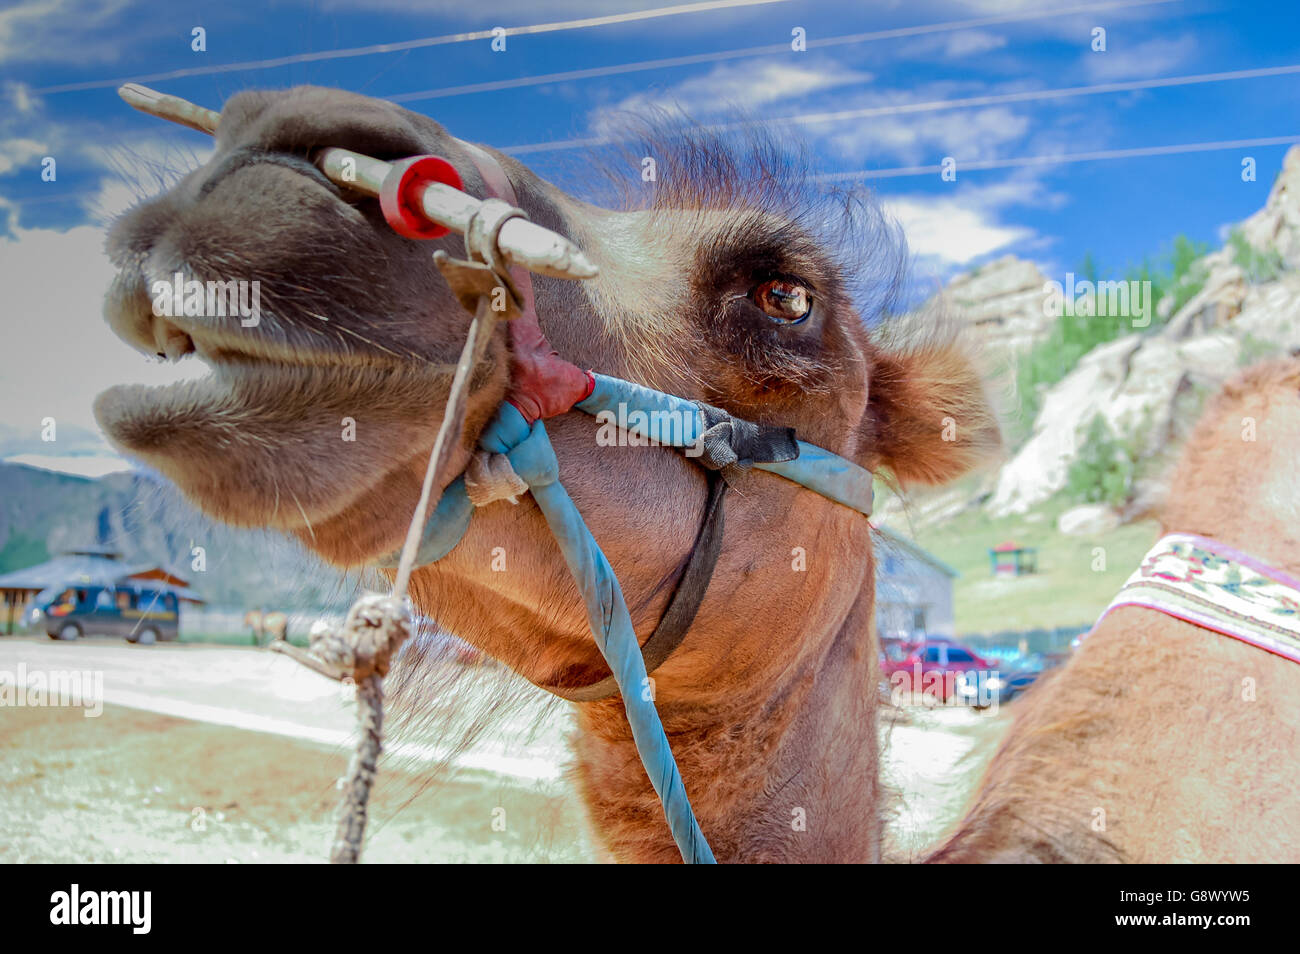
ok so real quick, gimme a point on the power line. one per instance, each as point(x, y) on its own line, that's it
point(1061, 159)
point(959, 103)
point(768, 50)
point(637, 15)
point(905, 171)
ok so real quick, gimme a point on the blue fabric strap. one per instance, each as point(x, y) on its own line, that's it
point(533, 459)
point(677, 422)
point(443, 530)
point(665, 419)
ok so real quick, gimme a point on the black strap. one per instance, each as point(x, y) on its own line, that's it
point(682, 605)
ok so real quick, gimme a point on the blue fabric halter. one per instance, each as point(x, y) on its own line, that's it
point(668, 420)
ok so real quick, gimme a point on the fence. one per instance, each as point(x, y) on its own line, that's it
point(1008, 643)
point(226, 624)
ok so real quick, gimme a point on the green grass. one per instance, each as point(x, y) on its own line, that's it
point(232, 639)
point(1066, 590)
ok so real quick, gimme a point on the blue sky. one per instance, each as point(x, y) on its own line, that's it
point(1120, 209)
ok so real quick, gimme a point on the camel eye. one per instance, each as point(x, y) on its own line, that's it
point(783, 300)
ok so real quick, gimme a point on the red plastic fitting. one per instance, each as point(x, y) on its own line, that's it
point(403, 188)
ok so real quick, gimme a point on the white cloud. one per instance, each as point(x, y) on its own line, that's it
point(774, 91)
point(950, 230)
point(15, 153)
point(20, 97)
point(1156, 57)
point(924, 138)
point(62, 31)
point(1072, 27)
point(739, 86)
point(971, 43)
point(952, 46)
point(133, 166)
point(954, 230)
point(1022, 188)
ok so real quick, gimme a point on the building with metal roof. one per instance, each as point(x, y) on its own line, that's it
point(914, 590)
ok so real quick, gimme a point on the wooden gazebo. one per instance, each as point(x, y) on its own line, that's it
point(1013, 559)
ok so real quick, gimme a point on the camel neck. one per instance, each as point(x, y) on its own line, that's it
point(790, 776)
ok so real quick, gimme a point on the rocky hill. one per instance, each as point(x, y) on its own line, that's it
point(1126, 402)
point(1241, 304)
point(1003, 301)
point(1148, 386)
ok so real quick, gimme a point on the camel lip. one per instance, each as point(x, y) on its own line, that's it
point(224, 347)
point(238, 394)
point(245, 369)
point(132, 312)
point(231, 437)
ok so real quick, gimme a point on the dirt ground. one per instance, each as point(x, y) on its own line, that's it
point(133, 786)
point(231, 754)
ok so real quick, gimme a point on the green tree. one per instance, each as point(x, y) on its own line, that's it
point(1105, 469)
point(1259, 266)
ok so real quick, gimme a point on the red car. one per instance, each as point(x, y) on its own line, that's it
point(930, 667)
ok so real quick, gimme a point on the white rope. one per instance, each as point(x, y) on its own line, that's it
point(377, 624)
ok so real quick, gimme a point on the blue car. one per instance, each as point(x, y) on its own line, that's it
point(135, 612)
point(1014, 677)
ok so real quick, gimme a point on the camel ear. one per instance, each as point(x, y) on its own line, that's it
point(929, 418)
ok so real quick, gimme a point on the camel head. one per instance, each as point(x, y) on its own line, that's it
point(729, 283)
